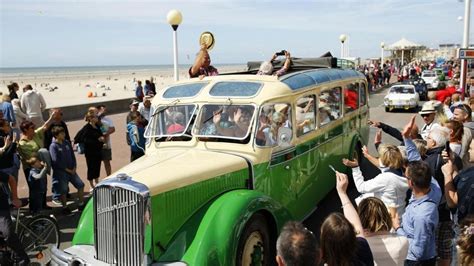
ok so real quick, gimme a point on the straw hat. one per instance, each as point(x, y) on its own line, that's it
point(279, 107)
point(266, 68)
point(428, 108)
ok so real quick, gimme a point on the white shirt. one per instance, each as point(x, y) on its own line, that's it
point(388, 249)
point(106, 124)
point(32, 103)
point(387, 186)
point(425, 130)
point(145, 112)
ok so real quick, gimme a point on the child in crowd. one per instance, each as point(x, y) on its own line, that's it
point(64, 167)
point(136, 132)
point(37, 181)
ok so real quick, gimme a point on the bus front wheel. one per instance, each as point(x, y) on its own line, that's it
point(254, 245)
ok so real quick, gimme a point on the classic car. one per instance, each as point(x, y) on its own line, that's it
point(401, 96)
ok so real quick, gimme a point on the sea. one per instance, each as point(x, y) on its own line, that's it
point(14, 72)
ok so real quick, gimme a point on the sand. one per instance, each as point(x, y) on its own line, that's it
point(73, 88)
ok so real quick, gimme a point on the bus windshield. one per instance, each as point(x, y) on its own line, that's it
point(170, 120)
point(224, 121)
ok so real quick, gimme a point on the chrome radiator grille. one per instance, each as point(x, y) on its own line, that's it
point(119, 225)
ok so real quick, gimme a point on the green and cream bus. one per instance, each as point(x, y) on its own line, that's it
point(229, 159)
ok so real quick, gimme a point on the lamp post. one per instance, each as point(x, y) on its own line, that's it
point(382, 45)
point(174, 18)
point(465, 44)
point(342, 38)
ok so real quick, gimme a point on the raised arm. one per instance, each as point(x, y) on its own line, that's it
point(198, 63)
point(349, 211)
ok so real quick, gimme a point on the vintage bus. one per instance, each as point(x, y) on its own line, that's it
point(229, 159)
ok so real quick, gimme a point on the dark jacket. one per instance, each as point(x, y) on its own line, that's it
point(89, 136)
point(435, 161)
point(7, 157)
point(464, 183)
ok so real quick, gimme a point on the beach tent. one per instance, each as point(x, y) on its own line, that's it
point(403, 45)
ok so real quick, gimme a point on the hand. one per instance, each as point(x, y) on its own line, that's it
point(350, 163)
point(365, 152)
point(341, 182)
point(7, 141)
point(378, 137)
point(406, 133)
point(274, 56)
point(395, 221)
point(373, 123)
point(287, 54)
point(203, 47)
point(448, 169)
point(217, 117)
point(237, 115)
point(17, 203)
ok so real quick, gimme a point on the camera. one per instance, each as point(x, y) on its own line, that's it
point(282, 52)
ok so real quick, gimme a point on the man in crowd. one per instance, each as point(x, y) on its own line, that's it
point(145, 107)
point(202, 66)
point(421, 215)
point(139, 91)
point(296, 245)
point(7, 229)
point(107, 128)
point(32, 102)
point(7, 109)
point(428, 113)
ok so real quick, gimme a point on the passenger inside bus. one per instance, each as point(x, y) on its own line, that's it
point(266, 68)
point(305, 118)
point(177, 125)
point(324, 113)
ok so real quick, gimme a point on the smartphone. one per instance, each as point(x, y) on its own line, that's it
point(282, 52)
point(332, 168)
point(448, 149)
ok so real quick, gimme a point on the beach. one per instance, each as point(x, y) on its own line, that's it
point(71, 86)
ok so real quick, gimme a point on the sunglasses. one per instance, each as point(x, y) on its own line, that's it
point(425, 115)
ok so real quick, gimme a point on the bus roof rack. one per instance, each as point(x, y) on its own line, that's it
point(299, 64)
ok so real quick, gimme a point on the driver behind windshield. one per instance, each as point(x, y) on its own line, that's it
point(238, 123)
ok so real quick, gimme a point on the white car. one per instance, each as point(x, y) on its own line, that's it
point(430, 78)
point(401, 96)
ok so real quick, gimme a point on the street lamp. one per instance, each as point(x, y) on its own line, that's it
point(174, 18)
point(465, 44)
point(342, 38)
point(382, 45)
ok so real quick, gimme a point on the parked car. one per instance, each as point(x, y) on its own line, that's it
point(252, 152)
point(431, 79)
point(420, 86)
point(402, 96)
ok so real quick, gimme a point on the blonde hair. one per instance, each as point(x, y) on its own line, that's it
point(89, 115)
point(421, 146)
point(466, 241)
point(374, 215)
point(390, 156)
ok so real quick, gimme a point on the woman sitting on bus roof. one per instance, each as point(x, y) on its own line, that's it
point(390, 185)
point(266, 68)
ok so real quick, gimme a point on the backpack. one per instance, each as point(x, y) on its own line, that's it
point(464, 183)
point(79, 141)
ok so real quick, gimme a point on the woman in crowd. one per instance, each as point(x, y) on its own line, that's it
point(465, 243)
point(31, 145)
point(91, 136)
point(390, 185)
point(387, 248)
point(12, 89)
point(456, 131)
point(343, 241)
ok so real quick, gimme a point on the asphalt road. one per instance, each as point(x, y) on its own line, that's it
point(121, 157)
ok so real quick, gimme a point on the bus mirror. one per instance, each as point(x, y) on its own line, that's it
point(284, 136)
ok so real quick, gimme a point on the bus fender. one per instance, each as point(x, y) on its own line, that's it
point(219, 227)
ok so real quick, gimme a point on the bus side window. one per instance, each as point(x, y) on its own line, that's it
point(271, 119)
point(305, 115)
point(363, 94)
point(351, 97)
point(329, 106)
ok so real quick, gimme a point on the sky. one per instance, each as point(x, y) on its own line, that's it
point(125, 32)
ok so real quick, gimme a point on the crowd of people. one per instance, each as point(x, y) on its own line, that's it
point(417, 211)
